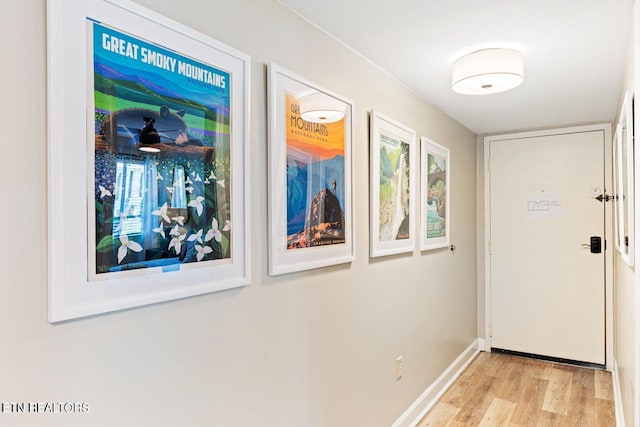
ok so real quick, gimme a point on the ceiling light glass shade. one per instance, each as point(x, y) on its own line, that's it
point(321, 108)
point(487, 71)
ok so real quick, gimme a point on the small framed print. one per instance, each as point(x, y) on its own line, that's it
point(616, 191)
point(434, 195)
point(624, 181)
point(392, 155)
point(147, 137)
point(310, 175)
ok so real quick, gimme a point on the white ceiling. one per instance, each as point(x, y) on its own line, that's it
point(575, 53)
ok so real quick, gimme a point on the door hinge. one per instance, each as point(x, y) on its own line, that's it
point(490, 330)
point(490, 247)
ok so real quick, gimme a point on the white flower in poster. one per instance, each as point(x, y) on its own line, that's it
point(175, 231)
point(189, 189)
point(198, 179)
point(227, 225)
point(169, 189)
point(104, 192)
point(202, 251)
point(176, 242)
point(159, 177)
point(178, 219)
point(214, 232)
point(159, 229)
point(126, 246)
point(197, 203)
point(188, 181)
point(212, 175)
point(196, 236)
point(162, 212)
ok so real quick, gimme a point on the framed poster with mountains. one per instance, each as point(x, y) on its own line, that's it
point(435, 227)
point(148, 129)
point(310, 175)
point(393, 158)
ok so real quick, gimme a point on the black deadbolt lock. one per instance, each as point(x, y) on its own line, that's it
point(596, 245)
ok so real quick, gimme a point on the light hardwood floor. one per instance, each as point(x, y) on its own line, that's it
point(503, 390)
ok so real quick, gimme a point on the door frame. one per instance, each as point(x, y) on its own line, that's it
point(608, 228)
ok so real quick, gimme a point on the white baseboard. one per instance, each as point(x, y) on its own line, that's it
point(430, 396)
point(617, 395)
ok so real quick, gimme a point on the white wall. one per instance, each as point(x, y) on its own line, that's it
point(632, 402)
point(316, 348)
point(624, 283)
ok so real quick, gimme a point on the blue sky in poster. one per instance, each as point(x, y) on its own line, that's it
point(165, 72)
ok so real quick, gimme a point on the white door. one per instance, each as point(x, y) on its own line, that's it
point(547, 288)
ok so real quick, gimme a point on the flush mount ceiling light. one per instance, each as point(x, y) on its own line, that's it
point(321, 108)
point(487, 71)
point(149, 149)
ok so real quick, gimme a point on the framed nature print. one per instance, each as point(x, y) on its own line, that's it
point(148, 128)
point(625, 181)
point(310, 175)
point(434, 195)
point(392, 156)
point(616, 186)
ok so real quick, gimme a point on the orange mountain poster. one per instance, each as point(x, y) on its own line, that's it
point(315, 179)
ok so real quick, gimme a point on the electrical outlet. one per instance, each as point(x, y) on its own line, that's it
point(399, 368)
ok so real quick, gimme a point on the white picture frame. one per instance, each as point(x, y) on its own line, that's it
point(310, 186)
point(616, 185)
point(93, 45)
point(625, 181)
point(435, 210)
point(393, 181)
